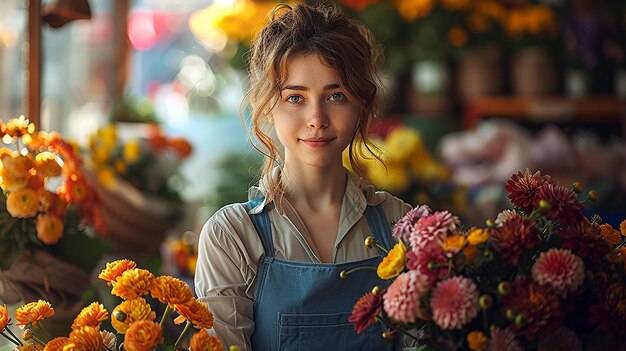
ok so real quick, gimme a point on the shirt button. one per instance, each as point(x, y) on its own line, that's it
point(338, 246)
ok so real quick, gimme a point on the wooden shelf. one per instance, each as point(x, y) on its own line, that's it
point(600, 110)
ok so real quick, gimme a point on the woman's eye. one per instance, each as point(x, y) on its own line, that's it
point(294, 99)
point(337, 97)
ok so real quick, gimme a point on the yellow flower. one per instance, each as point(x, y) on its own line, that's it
point(106, 176)
point(476, 340)
point(16, 165)
point(18, 127)
point(610, 234)
point(10, 183)
point(393, 264)
point(202, 341)
point(478, 236)
point(33, 312)
point(91, 315)
point(130, 311)
point(56, 344)
point(143, 336)
point(132, 283)
point(454, 243)
point(132, 151)
point(197, 313)
point(101, 154)
point(4, 317)
point(171, 290)
point(49, 228)
point(108, 135)
point(401, 143)
point(85, 338)
point(114, 269)
point(47, 165)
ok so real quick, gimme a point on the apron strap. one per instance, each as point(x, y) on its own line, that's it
point(377, 222)
point(261, 222)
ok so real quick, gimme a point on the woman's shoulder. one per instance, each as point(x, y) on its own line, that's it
point(393, 206)
point(230, 219)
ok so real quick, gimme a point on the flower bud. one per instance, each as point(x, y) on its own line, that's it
point(27, 335)
point(578, 187)
point(431, 265)
point(485, 302)
point(233, 348)
point(593, 195)
point(389, 334)
point(544, 204)
point(520, 320)
point(375, 290)
point(504, 288)
point(510, 314)
point(370, 241)
point(490, 223)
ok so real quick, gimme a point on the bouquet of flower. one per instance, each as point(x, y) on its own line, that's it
point(45, 196)
point(541, 276)
point(134, 320)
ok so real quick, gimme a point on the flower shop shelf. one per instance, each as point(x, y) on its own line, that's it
point(603, 112)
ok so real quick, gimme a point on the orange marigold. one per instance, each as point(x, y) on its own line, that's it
point(131, 311)
point(115, 269)
point(132, 283)
point(56, 344)
point(85, 338)
point(610, 234)
point(170, 290)
point(143, 336)
point(4, 317)
point(202, 341)
point(196, 313)
point(33, 312)
point(91, 315)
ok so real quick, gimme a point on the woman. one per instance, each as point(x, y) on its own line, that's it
point(269, 268)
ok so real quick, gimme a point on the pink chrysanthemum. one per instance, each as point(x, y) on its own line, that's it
point(523, 188)
point(365, 310)
point(514, 235)
point(565, 206)
point(585, 240)
point(503, 340)
point(429, 260)
point(560, 269)
point(434, 227)
point(402, 301)
point(536, 304)
point(454, 302)
point(402, 230)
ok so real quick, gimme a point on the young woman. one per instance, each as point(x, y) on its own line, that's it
point(269, 269)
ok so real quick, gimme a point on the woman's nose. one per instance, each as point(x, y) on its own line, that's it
point(317, 116)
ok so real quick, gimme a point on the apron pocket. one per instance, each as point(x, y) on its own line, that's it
point(303, 332)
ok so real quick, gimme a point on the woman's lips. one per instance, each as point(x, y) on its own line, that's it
point(317, 142)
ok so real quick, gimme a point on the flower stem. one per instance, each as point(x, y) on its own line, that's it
point(344, 274)
point(167, 310)
point(43, 332)
point(182, 333)
point(11, 338)
point(14, 336)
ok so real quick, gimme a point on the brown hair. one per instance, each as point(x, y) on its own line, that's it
point(343, 43)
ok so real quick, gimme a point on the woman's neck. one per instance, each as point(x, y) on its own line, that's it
point(315, 188)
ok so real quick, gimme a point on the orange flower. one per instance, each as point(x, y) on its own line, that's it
point(29, 347)
point(196, 313)
point(181, 146)
point(57, 344)
point(17, 127)
point(33, 312)
point(10, 183)
point(457, 36)
point(132, 283)
point(470, 252)
point(143, 336)
point(131, 311)
point(454, 243)
point(74, 188)
point(622, 227)
point(202, 341)
point(22, 203)
point(16, 165)
point(478, 236)
point(47, 165)
point(393, 264)
point(171, 290)
point(4, 317)
point(91, 315)
point(85, 338)
point(49, 228)
point(114, 269)
point(610, 234)
point(476, 340)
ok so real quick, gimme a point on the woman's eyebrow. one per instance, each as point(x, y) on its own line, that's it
point(303, 88)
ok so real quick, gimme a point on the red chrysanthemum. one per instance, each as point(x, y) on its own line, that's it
point(503, 340)
point(402, 230)
point(429, 260)
point(366, 310)
point(564, 205)
point(523, 188)
point(402, 301)
point(434, 227)
point(610, 312)
point(454, 302)
point(514, 235)
point(535, 304)
point(560, 269)
point(585, 240)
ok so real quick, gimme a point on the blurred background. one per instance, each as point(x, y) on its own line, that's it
point(474, 91)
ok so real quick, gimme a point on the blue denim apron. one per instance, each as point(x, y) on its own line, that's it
point(305, 306)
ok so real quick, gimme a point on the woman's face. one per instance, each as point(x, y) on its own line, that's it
point(314, 120)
